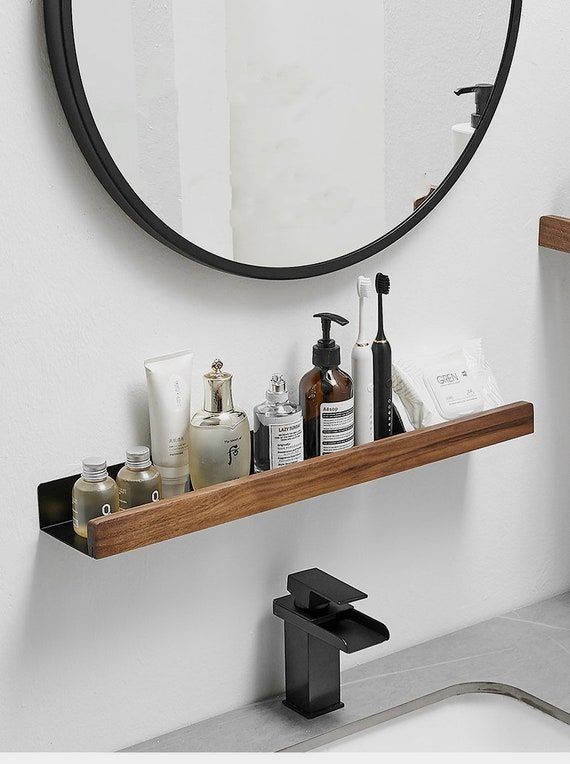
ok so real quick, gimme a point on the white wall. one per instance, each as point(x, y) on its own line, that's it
point(204, 132)
point(306, 88)
point(133, 97)
point(109, 77)
point(431, 49)
point(284, 133)
point(142, 87)
point(98, 655)
point(259, 126)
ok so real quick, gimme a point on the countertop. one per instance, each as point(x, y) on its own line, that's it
point(524, 653)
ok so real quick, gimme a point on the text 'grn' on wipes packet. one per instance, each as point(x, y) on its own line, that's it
point(446, 386)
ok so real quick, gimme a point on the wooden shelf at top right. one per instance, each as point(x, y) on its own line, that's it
point(554, 233)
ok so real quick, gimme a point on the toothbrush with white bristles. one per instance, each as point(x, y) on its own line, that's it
point(362, 374)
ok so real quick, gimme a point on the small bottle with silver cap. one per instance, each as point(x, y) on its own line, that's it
point(139, 480)
point(277, 429)
point(95, 494)
point(220, 441)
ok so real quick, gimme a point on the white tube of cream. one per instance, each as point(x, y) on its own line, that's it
point(169, 382)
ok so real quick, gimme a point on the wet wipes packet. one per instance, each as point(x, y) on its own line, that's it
point(446, 386)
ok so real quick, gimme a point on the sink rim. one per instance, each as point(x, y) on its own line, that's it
point(454, 690)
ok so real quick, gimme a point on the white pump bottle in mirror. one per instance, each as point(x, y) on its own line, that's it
point(464, 131)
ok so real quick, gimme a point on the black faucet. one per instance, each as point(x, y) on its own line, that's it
point(319, 622)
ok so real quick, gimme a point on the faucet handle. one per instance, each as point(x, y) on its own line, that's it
point(314, 589)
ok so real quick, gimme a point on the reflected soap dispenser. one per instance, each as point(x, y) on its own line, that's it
point(220, 441)
point(326, 395)
point(463, 132)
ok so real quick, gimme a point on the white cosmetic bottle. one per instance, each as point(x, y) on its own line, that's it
point(169, 382)
point(362, 376)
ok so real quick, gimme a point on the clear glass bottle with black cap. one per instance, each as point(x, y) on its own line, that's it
point(139, 480)
point(95, 494)
point(326, 395)
point(220, 440)
point(277, 429)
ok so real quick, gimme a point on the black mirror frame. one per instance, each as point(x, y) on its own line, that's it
point(65, 67)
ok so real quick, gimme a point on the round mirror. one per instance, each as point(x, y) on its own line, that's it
point(280, 138)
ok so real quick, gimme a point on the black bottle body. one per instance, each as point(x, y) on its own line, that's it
point(261, 446)
point(327, 394)
point(382, 370)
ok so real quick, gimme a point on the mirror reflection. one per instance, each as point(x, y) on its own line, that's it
point(285, 132)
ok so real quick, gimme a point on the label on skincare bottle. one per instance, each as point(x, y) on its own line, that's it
point(337, 426)
point(286, 440)
point(135, 494)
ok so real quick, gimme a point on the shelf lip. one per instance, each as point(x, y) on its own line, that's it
point(235, 500)
point(554, 233)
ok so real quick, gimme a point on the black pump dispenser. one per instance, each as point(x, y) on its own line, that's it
point(326, 353)
point(482, 97)
point(326, 396)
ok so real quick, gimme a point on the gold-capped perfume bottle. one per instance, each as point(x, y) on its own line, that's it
point(220, 444)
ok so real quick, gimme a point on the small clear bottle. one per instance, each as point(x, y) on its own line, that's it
point(94, 494)
point(220, 441)
point(139, 480)
point(277, 429)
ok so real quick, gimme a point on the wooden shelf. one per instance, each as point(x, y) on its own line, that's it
point(207, 507)
point(554, 233)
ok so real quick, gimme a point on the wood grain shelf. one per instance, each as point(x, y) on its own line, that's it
point(208, 507)
point(554, 233)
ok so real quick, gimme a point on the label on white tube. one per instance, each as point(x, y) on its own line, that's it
point(168, 380)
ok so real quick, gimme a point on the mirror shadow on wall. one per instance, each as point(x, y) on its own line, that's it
point(285, 133)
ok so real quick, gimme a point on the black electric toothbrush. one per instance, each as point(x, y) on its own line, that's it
point(382, 369)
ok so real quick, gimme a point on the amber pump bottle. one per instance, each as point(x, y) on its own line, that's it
point(326, 395)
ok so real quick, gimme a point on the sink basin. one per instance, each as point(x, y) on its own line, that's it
point(470, 723)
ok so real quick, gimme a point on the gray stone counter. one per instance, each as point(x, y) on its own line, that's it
point(525, 653)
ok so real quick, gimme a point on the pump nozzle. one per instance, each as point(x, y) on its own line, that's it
point(326, 320)
point(326, 353)
point(483, 94)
